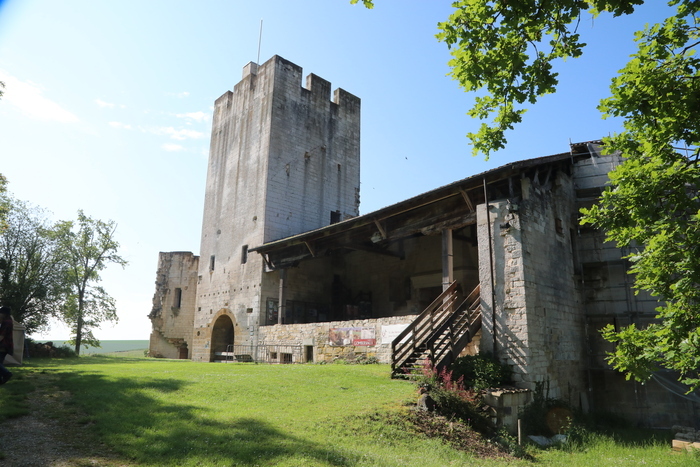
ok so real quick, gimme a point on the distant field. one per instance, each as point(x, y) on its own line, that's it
point(108, 346)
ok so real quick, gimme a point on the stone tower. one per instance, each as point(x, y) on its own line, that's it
point(284, 159)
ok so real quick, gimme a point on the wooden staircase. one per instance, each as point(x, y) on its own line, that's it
point(438, 334)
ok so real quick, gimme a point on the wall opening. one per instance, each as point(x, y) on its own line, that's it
point(177, 297)
point(309, 353)
point(221, 338)
point(183, 352)
point(335, 217)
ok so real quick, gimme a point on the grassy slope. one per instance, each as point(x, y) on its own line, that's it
point(168, 412)
point(160, 412)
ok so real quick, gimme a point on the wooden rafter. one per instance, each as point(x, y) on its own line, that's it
point(467, 199)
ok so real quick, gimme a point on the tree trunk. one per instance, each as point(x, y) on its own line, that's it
point(79, 326)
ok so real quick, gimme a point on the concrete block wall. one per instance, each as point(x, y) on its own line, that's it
point(172, 324)
point(609, 298)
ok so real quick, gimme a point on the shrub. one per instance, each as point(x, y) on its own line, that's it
point(452, 399)
point(48, 350)
point(481, 371)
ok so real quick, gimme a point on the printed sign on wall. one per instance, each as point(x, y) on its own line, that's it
point(352, 336)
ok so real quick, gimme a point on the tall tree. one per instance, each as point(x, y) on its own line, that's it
point(4, 203)
point(31, 268)
point(88, 246)
point(506, 49)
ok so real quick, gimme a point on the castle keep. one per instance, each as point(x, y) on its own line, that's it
point(289, 271)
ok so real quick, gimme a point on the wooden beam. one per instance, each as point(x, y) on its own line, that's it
point(369, 249)
point(467, 199)
point(546, 178)
point(311, 250)
point(382, 232)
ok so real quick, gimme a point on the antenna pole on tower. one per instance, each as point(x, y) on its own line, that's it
point(259, 41)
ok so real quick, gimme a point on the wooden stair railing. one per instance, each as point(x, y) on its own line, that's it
point(439, 333)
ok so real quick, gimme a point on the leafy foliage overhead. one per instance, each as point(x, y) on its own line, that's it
point(506, 49)
point(653, 206)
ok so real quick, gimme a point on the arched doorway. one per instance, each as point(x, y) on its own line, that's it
point(221, 337)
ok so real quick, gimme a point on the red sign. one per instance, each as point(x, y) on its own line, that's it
point(366, 342)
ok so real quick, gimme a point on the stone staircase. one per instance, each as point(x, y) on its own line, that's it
point(438, 334)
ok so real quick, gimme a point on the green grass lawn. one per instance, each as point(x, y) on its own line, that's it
point(179, 413)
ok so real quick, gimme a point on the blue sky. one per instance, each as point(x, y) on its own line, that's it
point(107, 108)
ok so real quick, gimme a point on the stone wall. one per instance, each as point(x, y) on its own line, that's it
point(556, 323)
point(282, 158)
point(539, 323)
point(318, 336)
point(172, 315)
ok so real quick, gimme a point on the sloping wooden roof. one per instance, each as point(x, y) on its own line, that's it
point(450, 206)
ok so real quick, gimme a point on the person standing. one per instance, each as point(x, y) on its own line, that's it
point(7, 346)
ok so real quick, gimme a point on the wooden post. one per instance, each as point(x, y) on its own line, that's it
point(447, 259)
point(281, 307)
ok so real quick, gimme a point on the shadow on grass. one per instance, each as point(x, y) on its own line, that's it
point(13, 396)
point(147, 430)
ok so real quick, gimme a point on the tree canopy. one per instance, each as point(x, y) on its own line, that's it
point(506, 49)
point(88, 247)
point(31, 268)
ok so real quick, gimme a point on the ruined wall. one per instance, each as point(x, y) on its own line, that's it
point(172, 315)
point(539, 320)
point(282, 157)
point(318, 336)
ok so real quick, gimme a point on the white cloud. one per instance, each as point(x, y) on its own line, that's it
point(124, 126)
point(28, 98)
point(101, 103)
point(109, 105)
point(196, 116)
point(172, 147)
point(174, 133)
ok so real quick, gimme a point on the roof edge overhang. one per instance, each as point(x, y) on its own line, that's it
point(459, 188)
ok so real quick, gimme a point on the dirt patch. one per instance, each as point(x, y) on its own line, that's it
point(458, 434)
point(54, 433)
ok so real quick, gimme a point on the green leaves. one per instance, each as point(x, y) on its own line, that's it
point(367, 3)
point(507, 49)
point(653, 199)
point(89, 247)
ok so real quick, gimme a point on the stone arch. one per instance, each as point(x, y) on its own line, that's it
point(222, 335)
